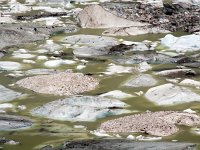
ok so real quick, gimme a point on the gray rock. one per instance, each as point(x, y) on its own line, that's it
point(94, 16)
point(41, 71)
point(1, 54)
point(118, 144)
point(155, 3)
point(186, 3)
point(150, 57)
point(111, 49)
point(91, 40)
point(83, 108)
point(91, 51)
point(142, 80)
point(22, 33)
point(7, 95)
point(161, 123)
point(169, 94)
point(10, 122)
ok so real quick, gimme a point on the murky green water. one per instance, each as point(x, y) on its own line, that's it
point(45, 131)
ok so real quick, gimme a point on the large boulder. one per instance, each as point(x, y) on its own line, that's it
point(119, 144)
point(94, 16)
point(22, 33)
point(82, 108)
point(9, 122)
point(162, 123)
point(59, 84)
point(187, 43)
point(169, 94)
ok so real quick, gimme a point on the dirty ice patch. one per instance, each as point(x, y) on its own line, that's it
point(9, 65)
point(57, 63)
point(187, 43)
point(113, 69)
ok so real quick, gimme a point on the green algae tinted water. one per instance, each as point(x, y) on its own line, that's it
point(47, 131)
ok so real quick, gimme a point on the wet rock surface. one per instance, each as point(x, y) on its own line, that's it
point(142, 80)
point(83, 108)
point(7, 95)
point(169, 94)
point(161, 123)
point(59, 84)
point(123, 145)
point(151, 57)
point(10, 122)
point(23, 33)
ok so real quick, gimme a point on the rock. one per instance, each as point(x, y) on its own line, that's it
point(117, 144)
point(91, 40)
point(187, 43)
point(9, 65)
point(171, 17)
point(59, 84)
point(1, 54)
point(127, 31)
point(142, 80)
point(6, 19)
point(169, 94)
point(22, 33)
point(162, 123)
point(175, 73)
point(18, 8)
point(94, 16)
point(155, 3)
point(47, 147)
point(150, 57)
point(117, 94)
point(190, 82)
point(132, 47)
point(91, 51)
point(41, 71)
point(144, 66)
point(7, 95)
point(186, 3)
point(10, 122)
point(83, 108)
point(3, 140)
